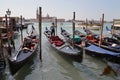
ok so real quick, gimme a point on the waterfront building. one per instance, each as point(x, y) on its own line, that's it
point(48, 18)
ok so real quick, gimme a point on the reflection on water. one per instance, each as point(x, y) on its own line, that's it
point(57, 67)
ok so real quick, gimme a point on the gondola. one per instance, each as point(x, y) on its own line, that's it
point(107, 43)
point(115, 35)
point(63, 48)
point(91, 48)
point(24, 54)
point(79, 37)
point(109, 49)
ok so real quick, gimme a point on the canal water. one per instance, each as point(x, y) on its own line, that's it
point(57, 67)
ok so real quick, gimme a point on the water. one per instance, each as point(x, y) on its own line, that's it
point(57, 67)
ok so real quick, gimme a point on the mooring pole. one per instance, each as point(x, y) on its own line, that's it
point(101, 30)
point(56, 25)
point(1, 45)
point(40, 31)
point(21, 28)
point(12, 36)
point(73, 25)
point(113, 30)
point(8, 35)
point(86, 23)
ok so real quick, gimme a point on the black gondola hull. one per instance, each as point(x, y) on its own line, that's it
point(75, 57)
point(22, 59)
point(15, 66)
point(103, 55)
point(65, 50)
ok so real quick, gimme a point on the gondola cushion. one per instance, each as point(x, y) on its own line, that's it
point(34, 40)
point(90, 37)
point(58, 43)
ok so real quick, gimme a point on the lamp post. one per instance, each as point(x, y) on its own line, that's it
point(10, 27)
point(7, 25)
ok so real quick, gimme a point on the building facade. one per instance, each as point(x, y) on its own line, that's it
point(48, 18)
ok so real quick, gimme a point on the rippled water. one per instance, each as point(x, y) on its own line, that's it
point(57, 67)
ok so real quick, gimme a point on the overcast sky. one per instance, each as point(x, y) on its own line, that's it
point(90, 9)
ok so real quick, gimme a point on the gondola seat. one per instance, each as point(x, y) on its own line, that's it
point(34, 40)
point(58, 43)
point(32, 46)
point(91, 38)
point(56, 40)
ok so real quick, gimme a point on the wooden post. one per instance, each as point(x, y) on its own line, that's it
point(73, 24)
point(8, 35)
point(56, 25)
point(40, 31)
point(1, 45)
point(100, 42)
point(21, 29)
point(12, 36)
point(86, 23)
point(113, 31)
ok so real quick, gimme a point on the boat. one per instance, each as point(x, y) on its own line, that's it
point(26, 24)
point(107, 42)
point(115, 35)
point(78, 38)
point(92, 25)
point(91, 46)
point(116, 24)
point(108, 49)
point(96, 51)
point(24, 54)
point(63, 48)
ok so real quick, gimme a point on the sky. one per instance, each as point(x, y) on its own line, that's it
point(90, 9)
